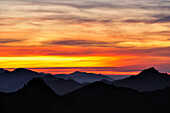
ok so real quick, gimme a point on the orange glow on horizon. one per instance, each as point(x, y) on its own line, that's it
point(39, 34)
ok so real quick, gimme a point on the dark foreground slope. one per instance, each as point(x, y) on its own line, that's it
point(35, 97)
point(161, 98)
point(98, 97)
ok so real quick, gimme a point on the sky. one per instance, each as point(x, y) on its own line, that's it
point(113, 37)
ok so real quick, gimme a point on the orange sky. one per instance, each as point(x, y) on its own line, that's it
point(125, 35)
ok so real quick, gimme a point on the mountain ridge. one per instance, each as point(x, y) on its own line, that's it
point(148, 79)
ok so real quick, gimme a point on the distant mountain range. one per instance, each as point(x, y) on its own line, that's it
point(46, 93)
point(11, 81)
point(83, 77)
point(98, 97)
point(147, 80)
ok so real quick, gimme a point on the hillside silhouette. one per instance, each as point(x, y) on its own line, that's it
point(62, 86)
point(34, 97)
point(98, 97)
point(11, 81)
point(40, 94)
point(147, 80)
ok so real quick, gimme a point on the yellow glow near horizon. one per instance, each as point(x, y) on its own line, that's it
point(49, 61)
point(53, 33)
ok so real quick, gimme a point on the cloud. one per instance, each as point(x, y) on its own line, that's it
point(118, 69)
point(151, 20)
point(82, 43)
point(76, 19)
point(5, 41)
point(162, 20)
point(162, 33)
point(77, 4)
point(136, 21)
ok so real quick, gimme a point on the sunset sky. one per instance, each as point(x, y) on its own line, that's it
point(113, 37)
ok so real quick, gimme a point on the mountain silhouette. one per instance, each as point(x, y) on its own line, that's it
point(82, 77)
point(106, 81)
point(12, 81)
point(61, 86)
point(2, 70)
point(147, 80)
point(35, 96)
point(99, 97)
point(161, 99)
point(50, 78)
point(37, 88)
point(63, 76)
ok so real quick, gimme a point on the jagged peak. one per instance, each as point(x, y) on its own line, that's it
point(36, 81)
point(150, 71)
point(37, 86)
point(22, 70)
point(49, 76)
point(2, 70)
point(98, 84)
point(80, 72)
point(77, 72)
point(152, 68)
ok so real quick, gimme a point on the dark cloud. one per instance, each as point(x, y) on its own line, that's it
point(4, 41)
point(162, 20)
point(83, 43)
point(90, 4)
point(155, 19)
point(77, 4)
point(100, 4)
point(136, 21)
point(76, 19)
point(72, 19)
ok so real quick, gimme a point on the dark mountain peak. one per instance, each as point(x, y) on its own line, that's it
point(84, 73)
point(147, 80)
point(99, 89)
point(77, 72)
point(82, 77)
point(26, 72)
point(2, 70)
point(152, 69)
point(50, 76)
point(22, 70)
point(96, 86)
point(37, 87)
point(68, 80)
point(80, 72)
point(36, 81)
point(149, 72)
point(105, 81)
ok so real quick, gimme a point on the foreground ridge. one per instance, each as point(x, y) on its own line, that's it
point(37, 96)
